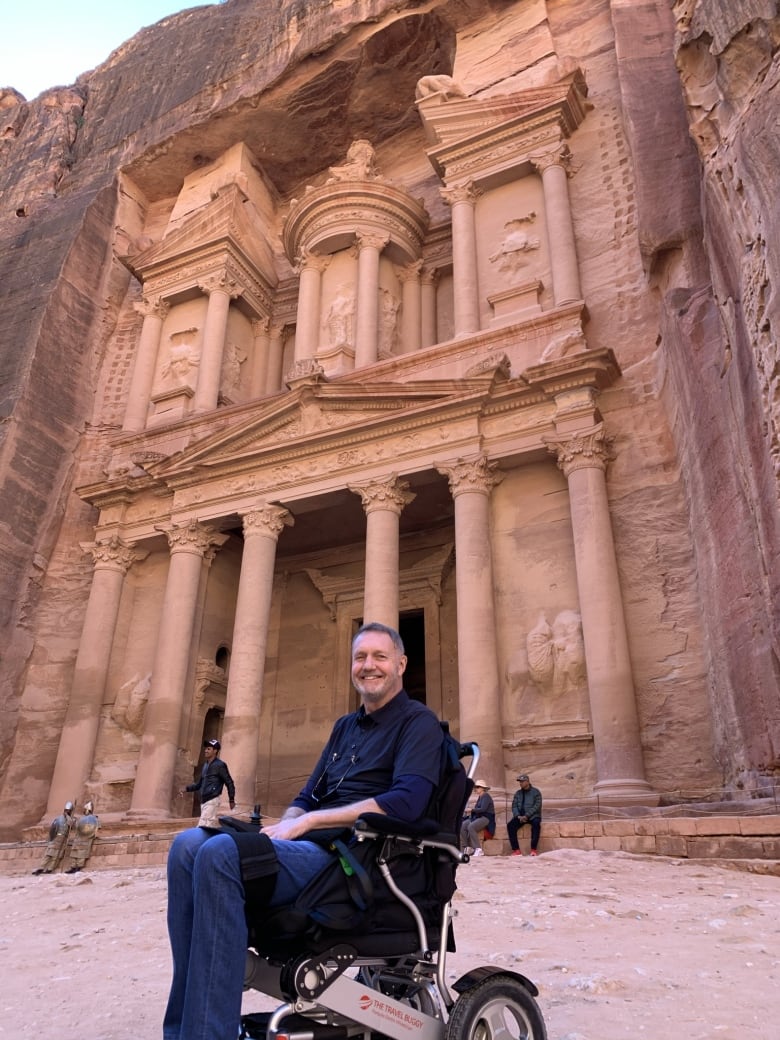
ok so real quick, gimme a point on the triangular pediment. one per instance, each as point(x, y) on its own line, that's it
point(314, 417)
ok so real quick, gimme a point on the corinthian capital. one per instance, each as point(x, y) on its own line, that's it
point(309, 261)
point(266, 520)
point(461, 193)
point(194, 537)
point(152, 305)
point(409, 273)
point(371, 240)
point(471, 475)
point(589, 450)
point(556, 156)
point(221, 282)
point(112, 555)
point(390, 495)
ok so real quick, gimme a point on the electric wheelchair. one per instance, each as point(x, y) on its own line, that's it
point(377, 969)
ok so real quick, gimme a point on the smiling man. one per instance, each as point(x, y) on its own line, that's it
point(383, 758)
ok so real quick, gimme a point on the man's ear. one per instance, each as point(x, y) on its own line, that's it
point(402, 664)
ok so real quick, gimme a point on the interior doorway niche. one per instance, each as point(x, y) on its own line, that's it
point(411, 626)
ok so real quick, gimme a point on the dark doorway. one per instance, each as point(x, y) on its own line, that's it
point(411, 626)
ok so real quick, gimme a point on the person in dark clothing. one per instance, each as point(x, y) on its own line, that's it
point(384, 758)
point(214, 777)
point(526, 809)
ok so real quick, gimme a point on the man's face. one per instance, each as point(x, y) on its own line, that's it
point(525, 784)
point(210, 753)
point(377, 668)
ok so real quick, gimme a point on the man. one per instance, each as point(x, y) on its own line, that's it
point(214, 776)
point(481, 818)
point(383, 758)
point(526, 808)
point(83, 836)
point(59, 831)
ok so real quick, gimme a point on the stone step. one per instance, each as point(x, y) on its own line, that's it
point(749, 842)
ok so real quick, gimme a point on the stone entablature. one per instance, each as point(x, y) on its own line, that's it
point(309, 441)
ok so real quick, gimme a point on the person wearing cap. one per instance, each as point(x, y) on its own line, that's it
point(482, 817)
point(526, 809)
point(214, 777)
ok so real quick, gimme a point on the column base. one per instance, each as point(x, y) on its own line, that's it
point(152, 815)
point(626, 791)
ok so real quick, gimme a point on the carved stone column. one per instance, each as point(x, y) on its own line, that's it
point(190, 545)
point(553, 167)
point(310, 269)
point(383, 502)
point(619, 766)
point(260, 329)
point(411, 307)
point(112, 560)
point(221, 291)
point(471, 482)
point(429, 279)
point(366, 323)
point(275, 360)
point(262, 527)
point(462, 200)
point(139, 395)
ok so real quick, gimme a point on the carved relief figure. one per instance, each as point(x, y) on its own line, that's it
point(183, 358)
point(130, 705)
point(556, 654)
point(232, 361)
point(509, 257)
point(388, 319)
point(360, 164)
point(340, 318)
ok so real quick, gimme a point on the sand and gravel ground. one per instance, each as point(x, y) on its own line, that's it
point(620, 947)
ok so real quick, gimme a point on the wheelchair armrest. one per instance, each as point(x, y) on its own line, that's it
point(382, 824)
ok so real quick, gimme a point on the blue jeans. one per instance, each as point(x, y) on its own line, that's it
point(208, 932)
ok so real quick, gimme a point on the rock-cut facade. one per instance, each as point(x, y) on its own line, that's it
point(460, 317)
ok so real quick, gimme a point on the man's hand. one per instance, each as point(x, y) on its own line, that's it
point(289, 827)
point(295, 822)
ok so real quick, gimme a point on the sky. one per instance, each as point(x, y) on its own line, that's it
point(48, 43)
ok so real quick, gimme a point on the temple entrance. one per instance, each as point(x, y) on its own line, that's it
point(411, 626)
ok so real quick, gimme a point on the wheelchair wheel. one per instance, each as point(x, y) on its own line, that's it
point(498, 1008)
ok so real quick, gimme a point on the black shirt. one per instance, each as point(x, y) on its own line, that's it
point(368, 752)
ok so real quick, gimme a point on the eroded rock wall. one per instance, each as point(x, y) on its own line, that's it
point(720, 356)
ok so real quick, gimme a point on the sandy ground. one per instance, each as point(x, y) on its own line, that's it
point(620, 947)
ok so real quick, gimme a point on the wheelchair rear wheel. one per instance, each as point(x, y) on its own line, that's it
point(498, 1008)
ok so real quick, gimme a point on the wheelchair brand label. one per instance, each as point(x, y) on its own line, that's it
point(379, 1013)
point(402, 1016)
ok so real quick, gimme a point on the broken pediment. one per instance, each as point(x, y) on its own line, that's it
point(485, 138)
point(226, 234)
